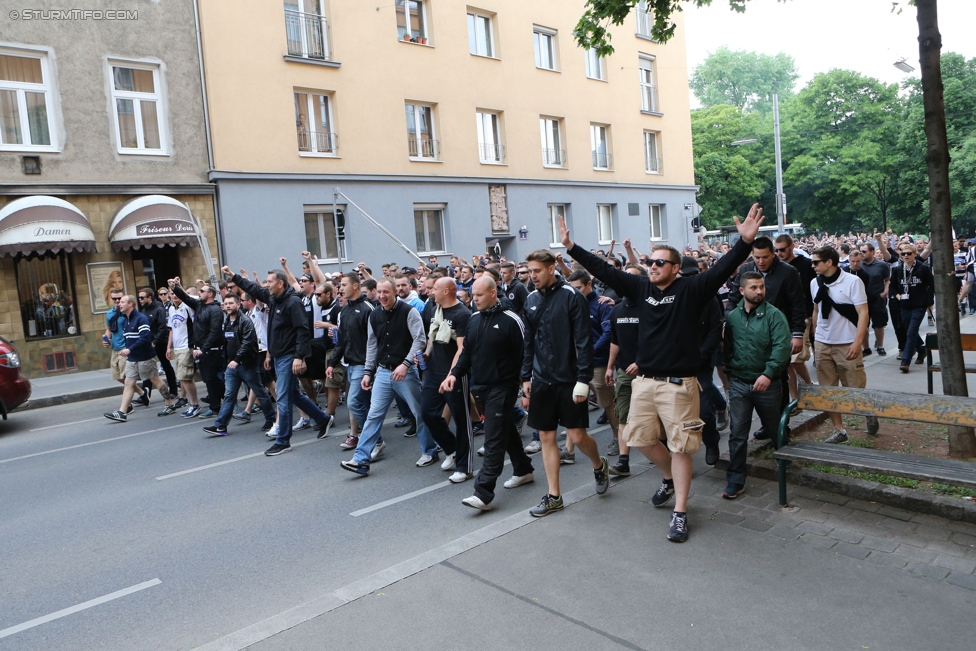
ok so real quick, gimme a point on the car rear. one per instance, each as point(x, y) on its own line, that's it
point(15, 389)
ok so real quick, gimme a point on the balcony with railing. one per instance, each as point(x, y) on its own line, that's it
point(649, 98)
point(491, 152)
point(423, 148)
point(553, 157)
point(602, 160)
point(308, 35)
point(317, 142)
point(652, 165)
point(644, 22)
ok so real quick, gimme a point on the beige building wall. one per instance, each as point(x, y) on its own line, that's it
point(250, 88)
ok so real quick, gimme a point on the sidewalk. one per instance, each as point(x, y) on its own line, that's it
point(72, 387)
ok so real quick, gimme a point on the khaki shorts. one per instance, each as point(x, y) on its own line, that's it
point(658, 408)
point(146, 370)
point(603, 391)
point(624, 389)
point(117, 365)
point(834, 369)
point(804, 353)
point(338, 379)
point(183, 365)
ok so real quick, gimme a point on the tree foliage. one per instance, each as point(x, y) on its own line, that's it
point(747, 80)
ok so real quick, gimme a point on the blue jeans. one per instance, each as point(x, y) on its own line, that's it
point(911, 320)
point(232, 384)
point(358, 400)
point(290, 397)
point(384, 389)
point(742, 400)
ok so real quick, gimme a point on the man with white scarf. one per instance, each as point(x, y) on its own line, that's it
point(448, 321)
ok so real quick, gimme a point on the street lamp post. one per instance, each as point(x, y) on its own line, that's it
point(780, 197)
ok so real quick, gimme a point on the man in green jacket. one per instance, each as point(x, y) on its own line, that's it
point(757, 351)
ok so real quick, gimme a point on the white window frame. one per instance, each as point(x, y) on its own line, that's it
point(604, 211)
point(652, 152)
point(297, 24)
point(596, 131)
point(324, 213)
point(48, 88)
point(427, 208)
point(645, 20)
point(546, 44)
point(556, 209)
point(434, 148)
point(549, 143)
point(659, 230)
point(478, 19)
point(158, 96)
point(595, 65)
point(424, 21)
point(490, 148)
point(645, 65)
point(311, 108)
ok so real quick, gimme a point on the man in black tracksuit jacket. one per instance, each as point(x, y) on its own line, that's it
point(491, 355)
point(351, 348)
point(207, 342)
point(289, 343)
point(159, 327)
point(665, 393)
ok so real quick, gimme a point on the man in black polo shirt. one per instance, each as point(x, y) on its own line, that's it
point(878, 274)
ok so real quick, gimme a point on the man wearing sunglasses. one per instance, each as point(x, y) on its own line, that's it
point(114, 338)
point(207, 341)
point(915, 289)
point(665, 396)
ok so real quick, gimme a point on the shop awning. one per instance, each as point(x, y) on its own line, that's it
point(152, 220)
point(43, 224)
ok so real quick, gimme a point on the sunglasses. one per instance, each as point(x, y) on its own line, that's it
point(116, 299)
point(905, 254)
point(659, 262)
point(317, 293)
point(523, 273)
point(783, 250)
point(815, 262)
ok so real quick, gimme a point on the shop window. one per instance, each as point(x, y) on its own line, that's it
point(45, 292)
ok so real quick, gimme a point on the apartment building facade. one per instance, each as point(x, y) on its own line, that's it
point(454, 127)
point(103, 170)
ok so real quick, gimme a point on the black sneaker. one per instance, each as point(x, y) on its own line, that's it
point(324, 430)
point(678, 531)
point(213, 430)
point(732, 491)
point(882, 352)
point(180, 403)
point(143, 399)
point(277, 449)
point(268, 424)
point(620, 469)
point(663, 494)
point(866, 352)
point(130, 409)
point(603, 419)
point(549, 504)
point(169, 410)
point(412, 430)
point(761, 434)
point(602, 476)
point(116, 416)
point(478, 428)
point(921, 356)
point(711, 455)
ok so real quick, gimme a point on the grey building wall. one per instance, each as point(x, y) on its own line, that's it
point(163, 32)
point(262, 218)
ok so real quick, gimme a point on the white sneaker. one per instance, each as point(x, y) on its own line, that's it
point(481, 451)
point(273, 432)
point(449, 461)
point(534, 447)
point(424, 460)
point(303, 423)
point(475, 503)
point(377, 451)
point(515, 481)
point(460, 477)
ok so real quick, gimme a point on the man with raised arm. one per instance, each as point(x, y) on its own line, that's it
point(665, 391)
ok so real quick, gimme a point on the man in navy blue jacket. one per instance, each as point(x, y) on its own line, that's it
point(141, 361)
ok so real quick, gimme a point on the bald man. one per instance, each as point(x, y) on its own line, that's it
point(446, 322)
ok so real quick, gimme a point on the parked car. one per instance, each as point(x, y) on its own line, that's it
point(15, 389)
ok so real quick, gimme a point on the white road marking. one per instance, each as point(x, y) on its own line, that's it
point(74, 422)
point(74, 609)
point(84, 445)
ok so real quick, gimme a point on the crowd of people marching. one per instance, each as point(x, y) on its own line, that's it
point(490, 345)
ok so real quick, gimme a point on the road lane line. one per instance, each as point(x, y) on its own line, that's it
point(84, 445)
point(332, 434)
point(87, 420)
point(74, 609)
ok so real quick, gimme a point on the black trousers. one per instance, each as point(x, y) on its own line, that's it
point(212, 367)
point(500, 437)
point(174, 386)
point(432, 411)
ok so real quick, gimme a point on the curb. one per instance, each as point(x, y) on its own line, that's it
point(68, 398)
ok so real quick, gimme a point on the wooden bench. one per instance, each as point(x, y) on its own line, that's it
point(938, 410)
point(932, 343)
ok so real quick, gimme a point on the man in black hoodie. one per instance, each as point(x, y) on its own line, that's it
point(207, 343)
point(155, 311)
point(289, 343)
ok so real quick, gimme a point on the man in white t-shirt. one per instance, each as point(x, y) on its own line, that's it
point(840, 322)
point(178, 351)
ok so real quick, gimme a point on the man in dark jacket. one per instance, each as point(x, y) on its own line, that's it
point(155, 311)
point(665, 392)
point(351, 349)
point(141, 363)
point(241, 352)
point(914, 290)
point(491, 353)
point(289, 345)
point(557, 368)
point(207, 343)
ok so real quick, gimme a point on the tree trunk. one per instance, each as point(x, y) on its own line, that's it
point(961, 439)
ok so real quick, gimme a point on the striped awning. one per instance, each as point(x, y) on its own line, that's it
point(152, 220)
point(43, 224)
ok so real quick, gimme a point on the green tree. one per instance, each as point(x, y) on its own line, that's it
point(743, 79)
